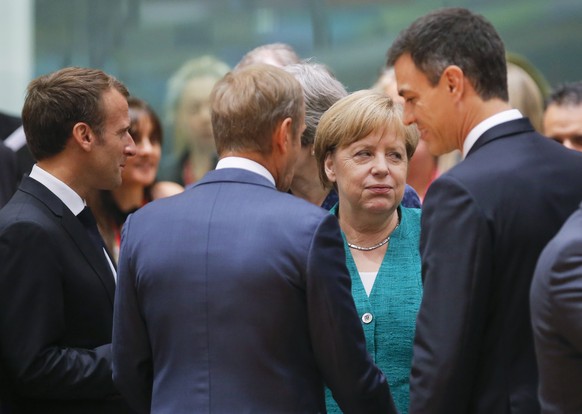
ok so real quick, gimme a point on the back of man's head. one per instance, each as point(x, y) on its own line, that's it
point(456, 36)
point(249, 103)
point(567, 94)
point(276, 54)
point(321, 90)
point(56, 102)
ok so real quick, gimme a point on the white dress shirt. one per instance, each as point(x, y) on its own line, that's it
point(245, 164)
point(67, 195)
point(480, 128)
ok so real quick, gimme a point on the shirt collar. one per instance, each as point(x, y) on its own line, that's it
point(245, 164)
point(480, 128)
point(65, 193)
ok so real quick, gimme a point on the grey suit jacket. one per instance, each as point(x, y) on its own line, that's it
point(556, 309)
point(484, 224)
point(56, 309)
point(234, 297)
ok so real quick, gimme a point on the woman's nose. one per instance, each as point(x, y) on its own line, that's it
point(380, 165)
point(145, 146)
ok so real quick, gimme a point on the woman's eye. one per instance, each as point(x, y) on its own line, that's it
point(395, 156)
point(363, 154)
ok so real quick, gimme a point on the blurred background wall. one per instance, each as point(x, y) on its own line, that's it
point(143, 42)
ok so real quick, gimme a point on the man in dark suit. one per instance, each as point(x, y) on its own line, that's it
point(8, 173)
point(233, 296)
point(484, 222)
point(556, 310)
point(563, 115)
point(56, 284)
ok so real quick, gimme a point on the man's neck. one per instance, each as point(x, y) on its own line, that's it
point(61, 169)
point(308, 189)
point(477, 112)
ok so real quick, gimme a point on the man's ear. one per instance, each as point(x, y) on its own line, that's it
point(454, 80)
point(329, 167)
point(83, 135)
point(283, 135)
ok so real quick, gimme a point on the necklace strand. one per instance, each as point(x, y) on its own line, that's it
point(367, 249)
point(377, 245)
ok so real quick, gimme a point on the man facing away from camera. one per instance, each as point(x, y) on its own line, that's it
point(234, 296)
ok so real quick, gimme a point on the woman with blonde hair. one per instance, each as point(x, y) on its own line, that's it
point(192, 152)
point(363, 148)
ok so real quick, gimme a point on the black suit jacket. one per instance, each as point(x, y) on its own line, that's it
point(484, 225)
point(56, 309)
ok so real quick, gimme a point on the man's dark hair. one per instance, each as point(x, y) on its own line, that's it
point(57, 101)
point(456, 36)
point(566, 94)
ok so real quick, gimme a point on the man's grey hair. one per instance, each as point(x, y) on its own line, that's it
point(321, 90)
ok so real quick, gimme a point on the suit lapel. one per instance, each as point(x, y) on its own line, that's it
point(76, 231)
point(505, 129)
point(95, 257)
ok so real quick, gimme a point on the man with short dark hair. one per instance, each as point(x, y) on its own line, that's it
point(484, 222)
point(233, 296)
point(57, 281)
point(563, 115)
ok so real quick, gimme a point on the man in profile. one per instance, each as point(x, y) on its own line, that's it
point(57, 283)
point(234, 296)
point(484, 222)
point(563, 115)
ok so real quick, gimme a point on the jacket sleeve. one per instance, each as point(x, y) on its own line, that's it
point(32, 323)
point(338, 339)
point(132, 358)
point(456, 251)
point(566, 292)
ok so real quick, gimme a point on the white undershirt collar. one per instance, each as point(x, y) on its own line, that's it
point(485, 125)
point(65, 193)
point(245, 164)
point(68, 196)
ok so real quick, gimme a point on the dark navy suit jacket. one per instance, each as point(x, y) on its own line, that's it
point(484, 224)
point(556, 308)
point(234, 297)
point(56, 310)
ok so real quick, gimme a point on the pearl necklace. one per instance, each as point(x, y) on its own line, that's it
point(377, 245)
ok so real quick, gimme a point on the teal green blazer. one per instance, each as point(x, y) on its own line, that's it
point(393, 305)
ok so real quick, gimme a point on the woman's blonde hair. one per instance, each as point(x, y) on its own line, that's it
point(355, 117)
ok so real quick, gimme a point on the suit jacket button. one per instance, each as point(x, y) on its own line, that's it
point(367, 317)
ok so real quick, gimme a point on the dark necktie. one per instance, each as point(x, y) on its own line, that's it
point(88, 220)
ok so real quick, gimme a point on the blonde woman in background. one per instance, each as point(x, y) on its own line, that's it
point(191, 145)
